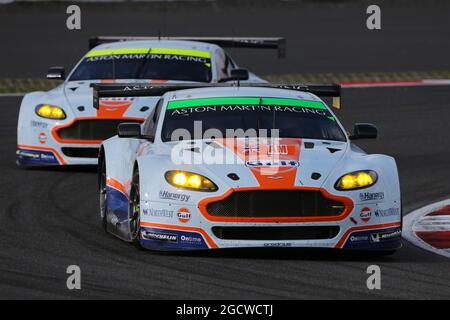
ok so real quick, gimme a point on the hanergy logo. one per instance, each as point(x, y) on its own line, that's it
point(281, 165)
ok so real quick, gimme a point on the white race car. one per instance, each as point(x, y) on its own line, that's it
point(259, 165)
point(61, 126)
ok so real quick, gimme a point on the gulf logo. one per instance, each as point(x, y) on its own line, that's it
point(42, 137)
point(366, 214)
point(184, 215)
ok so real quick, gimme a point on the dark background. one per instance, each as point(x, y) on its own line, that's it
point(323, 36)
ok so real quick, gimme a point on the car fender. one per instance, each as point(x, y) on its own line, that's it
point(120, 155)
point(385, 166)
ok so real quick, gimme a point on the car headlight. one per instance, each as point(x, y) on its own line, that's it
point(357, 180)
point(190, 181)
point(50, 112)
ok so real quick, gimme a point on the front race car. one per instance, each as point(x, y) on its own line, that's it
point(297, 200)
point(308, 186)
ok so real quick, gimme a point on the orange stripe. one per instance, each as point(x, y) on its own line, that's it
point(208, 239)
point(116, 185)
point(60, 158)
point(344, 238)
point(347, 202)
point(110, 109)
point(269, 177)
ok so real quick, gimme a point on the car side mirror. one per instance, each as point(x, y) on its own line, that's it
point(364, 131)
point(239, 74)
point(56, 73)
point(129, 130)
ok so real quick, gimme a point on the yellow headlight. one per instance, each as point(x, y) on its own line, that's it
point(189, 180)
point(357, 180)
point(50, 112)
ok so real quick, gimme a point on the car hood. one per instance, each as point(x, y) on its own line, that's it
point(239, 163)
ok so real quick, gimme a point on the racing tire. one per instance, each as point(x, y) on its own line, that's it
point(102, 191)
point(134, 211)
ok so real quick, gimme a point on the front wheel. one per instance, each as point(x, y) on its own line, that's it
point(102, 192)
point(134, 211)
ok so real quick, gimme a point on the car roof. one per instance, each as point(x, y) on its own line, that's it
point(193, 45)
point(239, 92)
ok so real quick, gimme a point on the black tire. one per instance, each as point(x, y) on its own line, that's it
point(102, 191)
point(134, 211)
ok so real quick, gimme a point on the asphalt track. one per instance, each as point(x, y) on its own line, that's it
point(49, 220)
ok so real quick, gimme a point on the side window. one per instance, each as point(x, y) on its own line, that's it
point(221, 63)
point(150, 129)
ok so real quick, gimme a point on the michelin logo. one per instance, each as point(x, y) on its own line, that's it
point(158, 236)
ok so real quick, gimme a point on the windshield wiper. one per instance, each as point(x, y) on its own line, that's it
point(140, 70)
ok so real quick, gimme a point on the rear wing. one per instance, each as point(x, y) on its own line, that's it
point(143, 90)
point(225, 42)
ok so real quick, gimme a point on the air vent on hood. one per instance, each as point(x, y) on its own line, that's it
point(196, 150)
point(333, 150)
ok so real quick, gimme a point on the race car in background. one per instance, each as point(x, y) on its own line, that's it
point(181, 182)
point(62, 127)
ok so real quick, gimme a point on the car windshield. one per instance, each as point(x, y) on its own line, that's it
point(293, 118)
point(145, 63)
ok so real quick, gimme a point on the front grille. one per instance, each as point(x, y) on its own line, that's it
point(81, 152)
point(93, 130)
point(276, 233)
point(275, 203)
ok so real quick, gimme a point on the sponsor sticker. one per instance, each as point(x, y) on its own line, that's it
point(250, 149)
point(159, 236)
point(383, 213)
point(282, 165)
point(47, 157)
point(160, 213)
point(166, 195)
point(184, 215)
point(385, 236)
point(278, 245)
point(278, 149)
point(36, 157)
point(39, 124)
point(365, 214)
point(191, 239)
point(28, 154)
point(371, 196)
point(359, 238)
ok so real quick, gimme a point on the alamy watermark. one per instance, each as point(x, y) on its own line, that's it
point(73, 21)
point(374, 280)
point(260, 150)
point(74, 279)
point(374, 20)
